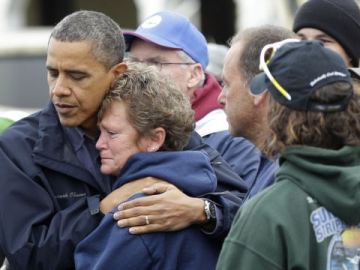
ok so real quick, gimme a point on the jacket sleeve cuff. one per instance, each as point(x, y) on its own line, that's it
point(213, 228)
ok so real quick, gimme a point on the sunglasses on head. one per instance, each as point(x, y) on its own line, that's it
point(267, 53)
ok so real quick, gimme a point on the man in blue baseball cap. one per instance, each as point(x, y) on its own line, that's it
point(171, 43)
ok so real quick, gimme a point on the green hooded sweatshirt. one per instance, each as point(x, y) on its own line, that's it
point(309, 219)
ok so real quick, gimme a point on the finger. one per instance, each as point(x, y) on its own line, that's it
point(137, 221)
point(130, 222)
point(137, 211)
point(157, 188)
point(145, 229)
point(139, 202)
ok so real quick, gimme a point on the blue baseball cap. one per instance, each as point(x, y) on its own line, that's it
point(296, 70)
point(171, 30)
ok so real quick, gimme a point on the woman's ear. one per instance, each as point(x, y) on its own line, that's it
point(156, 139)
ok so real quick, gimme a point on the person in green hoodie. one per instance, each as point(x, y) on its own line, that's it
point(310, 218)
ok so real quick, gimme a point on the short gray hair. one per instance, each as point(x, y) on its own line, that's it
point(96, 27)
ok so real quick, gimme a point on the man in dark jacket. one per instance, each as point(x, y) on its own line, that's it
point(52, 191)
point(246, 113)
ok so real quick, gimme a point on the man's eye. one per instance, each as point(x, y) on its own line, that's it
point(324, 40)
point(77, 77)
point(53, 73)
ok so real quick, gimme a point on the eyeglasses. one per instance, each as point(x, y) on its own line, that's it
point(264, 61)
point(158, 64)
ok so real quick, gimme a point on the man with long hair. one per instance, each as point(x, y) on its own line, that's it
point(309, 219)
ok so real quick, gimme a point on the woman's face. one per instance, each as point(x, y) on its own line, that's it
point(118, 139)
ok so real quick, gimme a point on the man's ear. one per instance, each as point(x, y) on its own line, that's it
point(116, 71)
point(156, 139)
point(261, 99)
point(196, 76)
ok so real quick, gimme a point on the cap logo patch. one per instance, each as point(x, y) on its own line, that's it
point(327, 75)
point(151, 22)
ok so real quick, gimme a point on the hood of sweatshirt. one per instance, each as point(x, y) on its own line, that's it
point(190, 171)
point(332, 177)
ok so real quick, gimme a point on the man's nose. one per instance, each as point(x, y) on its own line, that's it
point(60, 87)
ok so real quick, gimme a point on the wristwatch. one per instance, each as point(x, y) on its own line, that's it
point(210, 212)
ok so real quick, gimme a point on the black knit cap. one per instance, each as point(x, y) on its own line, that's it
point(339, 19)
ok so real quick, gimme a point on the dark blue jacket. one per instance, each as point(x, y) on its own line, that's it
point(48, 200)
point(245, 159)
point(2, 258)
point(111, 247)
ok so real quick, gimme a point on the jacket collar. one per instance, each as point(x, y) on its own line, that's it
point(53, 151)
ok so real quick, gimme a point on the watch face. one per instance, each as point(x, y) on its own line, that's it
point(212, 210)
